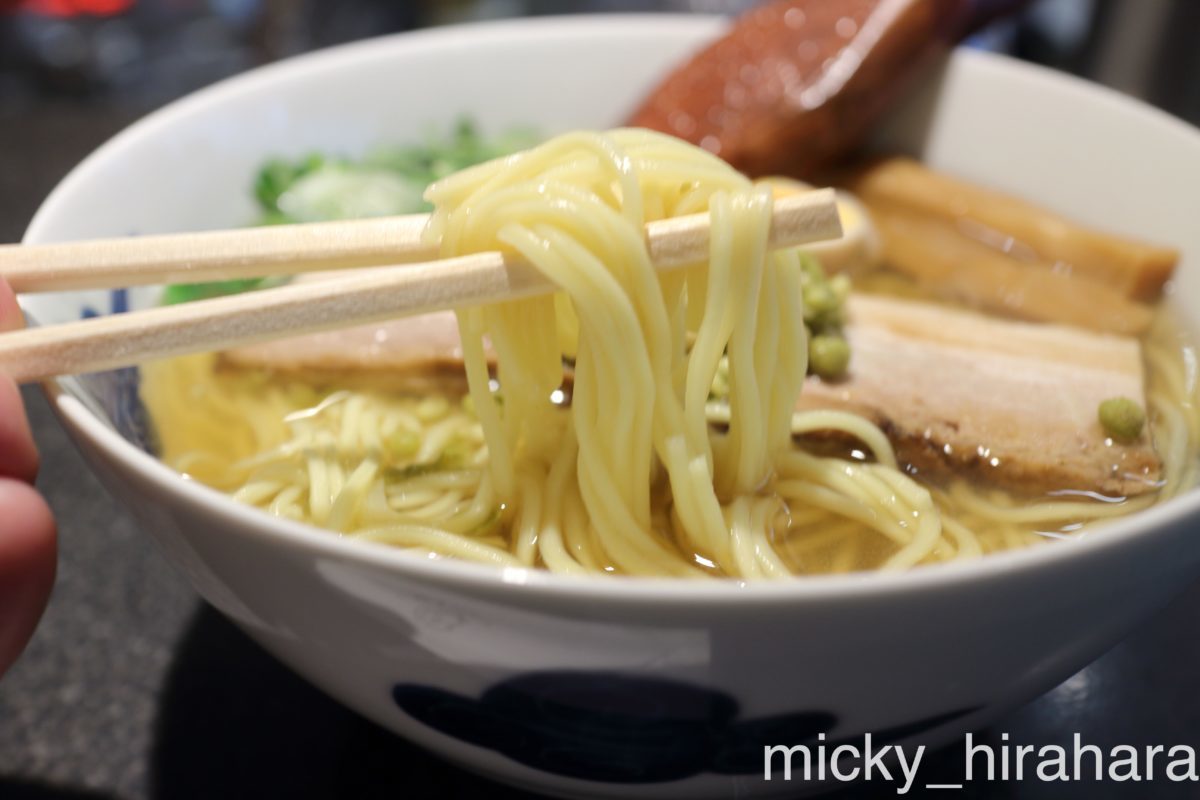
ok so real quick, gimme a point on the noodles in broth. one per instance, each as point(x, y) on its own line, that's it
point(628, 477)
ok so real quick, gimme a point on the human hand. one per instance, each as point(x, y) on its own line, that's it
point(27, 533)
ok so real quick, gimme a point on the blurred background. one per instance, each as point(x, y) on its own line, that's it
point(138, 54)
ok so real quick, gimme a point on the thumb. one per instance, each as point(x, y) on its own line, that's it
point(27, 534)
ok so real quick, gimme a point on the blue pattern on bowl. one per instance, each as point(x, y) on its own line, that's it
point(116, 393)
point(621, 728)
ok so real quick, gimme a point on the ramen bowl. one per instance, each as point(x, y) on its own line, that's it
point(625, 687)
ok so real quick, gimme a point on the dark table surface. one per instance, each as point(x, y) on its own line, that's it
point(133, 688)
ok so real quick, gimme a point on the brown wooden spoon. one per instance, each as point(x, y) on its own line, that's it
point(797, 84)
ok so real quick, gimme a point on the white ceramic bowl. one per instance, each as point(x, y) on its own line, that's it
point(632, 688)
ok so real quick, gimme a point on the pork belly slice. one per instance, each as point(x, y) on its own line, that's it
point(1012, 404)
point(1135, 270)
point(412, 354)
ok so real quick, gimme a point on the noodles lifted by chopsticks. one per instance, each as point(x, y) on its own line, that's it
point(632, 479)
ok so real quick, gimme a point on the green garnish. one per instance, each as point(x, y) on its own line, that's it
point(824, 306)
point(1122, 418)
point(824, 297)
point(440, 155)
point(392, 181)
point(828, 356)
point(278, 175)
point(187, 292)
point(402, 444)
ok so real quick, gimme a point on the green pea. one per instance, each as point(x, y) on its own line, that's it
point(819, 300)
point(811, 268)
point(402, 443)
point(828, 356)
point(1122, 418)
point(840, 284)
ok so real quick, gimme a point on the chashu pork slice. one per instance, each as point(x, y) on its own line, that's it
point(409, 354)
point(413, 354)
point(1012, 404)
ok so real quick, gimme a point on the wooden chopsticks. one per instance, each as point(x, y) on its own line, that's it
point(362, 296)
point(215, 255)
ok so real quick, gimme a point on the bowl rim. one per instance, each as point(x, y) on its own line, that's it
point(620, 590)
